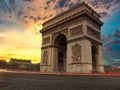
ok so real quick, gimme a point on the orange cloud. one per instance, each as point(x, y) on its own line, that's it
point(20, 44)
point(19, 29)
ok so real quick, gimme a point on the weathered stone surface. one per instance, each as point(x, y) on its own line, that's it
point(76, 53)
point(93, 33)
point(46, 40)
point(45, 57)
point(76, 31)
point(74, 42)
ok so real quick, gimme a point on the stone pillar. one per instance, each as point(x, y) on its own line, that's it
point(87, 56)
point(101, 63)
point(55, 59)
point(85, 63)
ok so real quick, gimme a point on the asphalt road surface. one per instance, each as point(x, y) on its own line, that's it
point(31, 81)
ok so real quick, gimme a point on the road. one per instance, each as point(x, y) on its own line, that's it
point(32, 81)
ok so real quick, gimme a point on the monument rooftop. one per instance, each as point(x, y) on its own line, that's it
point(74, 12)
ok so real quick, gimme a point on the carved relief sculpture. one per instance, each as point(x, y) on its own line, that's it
point(93, 32)
point(46, 40)
point(45, 57)
point(76, 31)
point(76, 53)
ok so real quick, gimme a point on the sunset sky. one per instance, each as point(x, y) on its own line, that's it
point(21, 20)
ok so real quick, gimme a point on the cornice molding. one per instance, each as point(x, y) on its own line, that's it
point(72, 13)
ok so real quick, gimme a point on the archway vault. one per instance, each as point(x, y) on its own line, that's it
point(56, 36)
point(94, 58)
point(61, 45)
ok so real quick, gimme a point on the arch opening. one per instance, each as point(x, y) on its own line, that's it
point(94, 59)
point(61, 44)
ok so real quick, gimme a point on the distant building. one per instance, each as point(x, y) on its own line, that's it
point(112, 68)
point(22, 64)
point(20, 61)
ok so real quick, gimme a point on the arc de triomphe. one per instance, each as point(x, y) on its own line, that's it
point(71, 41)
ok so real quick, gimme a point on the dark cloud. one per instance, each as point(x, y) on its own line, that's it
point(45, 17)
point(39, 18)
point(62, 3)
point(103, 14)
point(116, 1)
point(94, 2)
point(48, 4)
point(50, 1)
point(71, 4)
point(111, 47)
point(31, 9)
point(20, 13)
point(25, 16)
point(106, 1)
point(112, 42)
point(106, 37)
point(106, 6)
point(117, 34)
point(111, 39)
point(12, 4)
point(4, 7)
point(66, 3)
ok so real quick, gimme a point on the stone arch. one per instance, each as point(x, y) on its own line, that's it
point(55, 35)
point(59, 38)
point(61, 49)
point(94, 58)
point(60, 35)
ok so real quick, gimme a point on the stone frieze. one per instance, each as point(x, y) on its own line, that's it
point(76, 53)
point(76, 31)
point(93, 33)
point(46, 40)
point(45, 57)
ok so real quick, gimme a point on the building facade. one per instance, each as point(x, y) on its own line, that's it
point(71, 41)
point(20, 61)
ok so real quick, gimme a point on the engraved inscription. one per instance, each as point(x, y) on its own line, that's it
point(46, 40)
point(76, 31)
point(93, 32)
point(45, 57)
point(76, 53)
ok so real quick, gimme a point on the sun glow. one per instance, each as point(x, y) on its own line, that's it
point(21, 20)
point(21, 45)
